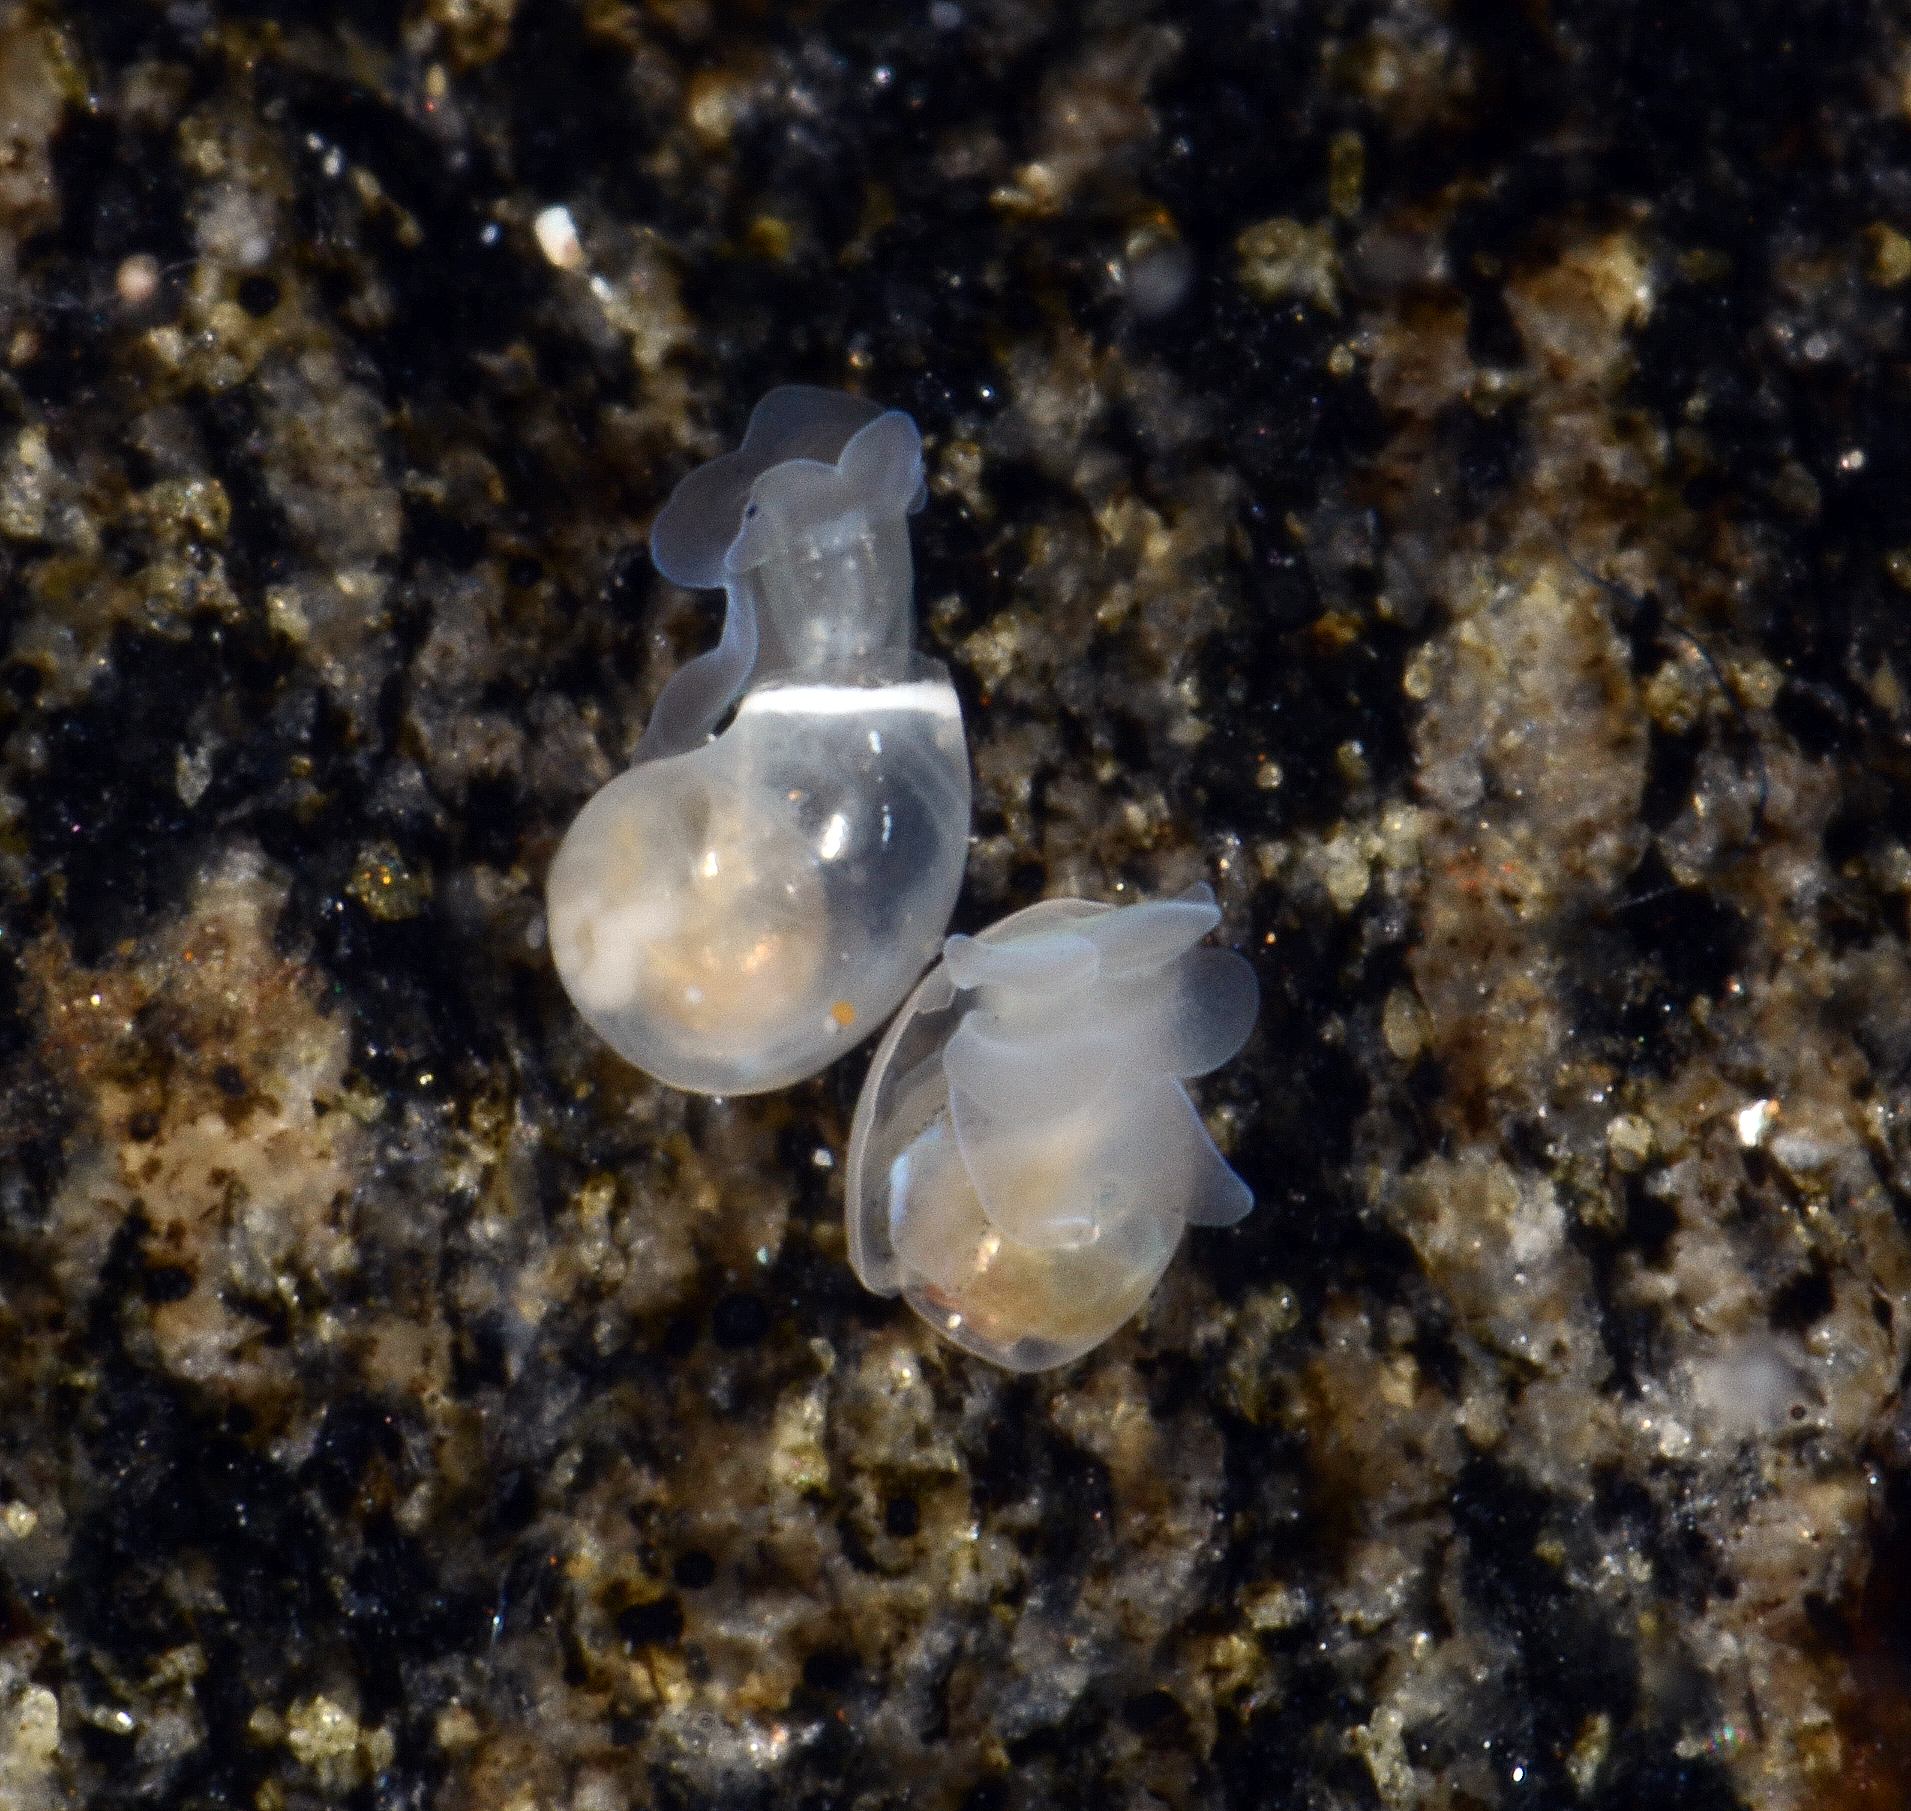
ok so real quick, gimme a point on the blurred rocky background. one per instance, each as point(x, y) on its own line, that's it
point(1436, 469)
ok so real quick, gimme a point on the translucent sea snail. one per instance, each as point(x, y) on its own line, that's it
point(733, 914)
point(1024, 1158)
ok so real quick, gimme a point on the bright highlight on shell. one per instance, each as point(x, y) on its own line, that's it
point(1024, 1158)
point(734, 913)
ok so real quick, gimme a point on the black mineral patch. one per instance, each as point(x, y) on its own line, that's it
point(517, 1426)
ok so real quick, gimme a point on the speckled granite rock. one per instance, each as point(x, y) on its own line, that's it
point(1437, 472)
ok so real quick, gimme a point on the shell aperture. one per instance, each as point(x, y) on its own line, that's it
point(1024, 1158)
point(732, 914)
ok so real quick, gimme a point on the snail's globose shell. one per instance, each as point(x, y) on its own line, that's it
point(735, 918)
point(1024, 1159)
point(733, 914)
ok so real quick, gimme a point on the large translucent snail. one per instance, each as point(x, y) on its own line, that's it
point(734, 914)
point(1024, 1159)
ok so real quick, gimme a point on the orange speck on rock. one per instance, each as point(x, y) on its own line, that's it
point(843, 1013)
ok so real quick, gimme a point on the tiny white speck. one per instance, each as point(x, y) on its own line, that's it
point(875, 741)
point(1853, 460)
point(709, 864)
point(835, 837)
point(823, 1159)
point(762, 1254)
point(1754, 1121)
point(19, 1520)
point(557, 238)
point(490, 234)
point(137, 279)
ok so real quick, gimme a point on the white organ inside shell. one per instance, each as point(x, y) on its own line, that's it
point(733, 913)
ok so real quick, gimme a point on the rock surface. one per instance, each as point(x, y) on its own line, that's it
point(1438, 473)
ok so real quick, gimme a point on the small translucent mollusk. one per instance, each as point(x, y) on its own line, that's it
point(1024, 1158)
point(732, 914)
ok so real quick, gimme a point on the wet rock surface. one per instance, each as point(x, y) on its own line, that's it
point(1437, 473)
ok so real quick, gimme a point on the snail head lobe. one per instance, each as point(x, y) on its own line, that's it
point(804, 526)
